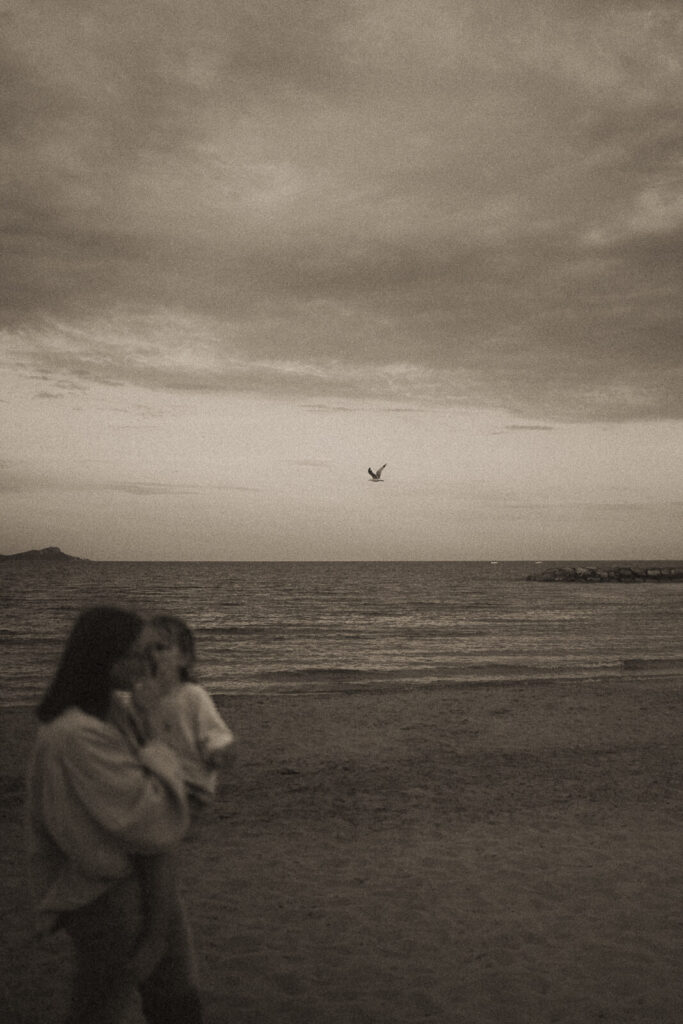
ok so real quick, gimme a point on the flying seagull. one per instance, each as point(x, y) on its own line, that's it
point(376, 475)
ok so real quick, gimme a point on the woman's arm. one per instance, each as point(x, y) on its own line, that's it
point(138, 800)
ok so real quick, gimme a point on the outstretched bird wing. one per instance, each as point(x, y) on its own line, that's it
point(379, 471)
point(373, 475)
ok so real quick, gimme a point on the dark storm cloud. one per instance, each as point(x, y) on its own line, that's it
point(152, 489)
point(310, 463)
point(14, 479)
point(528, 426)
point(487, 197)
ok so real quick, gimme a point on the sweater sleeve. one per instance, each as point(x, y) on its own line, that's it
point(140, 801)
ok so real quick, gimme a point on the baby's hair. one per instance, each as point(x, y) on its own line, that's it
point(183, 636)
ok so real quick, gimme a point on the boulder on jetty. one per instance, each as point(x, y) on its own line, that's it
point(611, 574)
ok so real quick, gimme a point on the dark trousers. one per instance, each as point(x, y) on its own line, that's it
point(104, 935)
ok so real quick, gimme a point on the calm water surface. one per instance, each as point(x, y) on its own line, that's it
point(335, 625)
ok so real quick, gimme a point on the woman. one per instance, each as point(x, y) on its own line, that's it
point(98, 799)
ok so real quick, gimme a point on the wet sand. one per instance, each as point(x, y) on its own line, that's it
point(458, 855)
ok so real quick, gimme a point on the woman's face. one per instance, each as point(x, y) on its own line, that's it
point(138, 661)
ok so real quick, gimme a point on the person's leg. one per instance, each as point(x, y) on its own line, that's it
point(171, 994)
point(157, 884)
point(104, 934)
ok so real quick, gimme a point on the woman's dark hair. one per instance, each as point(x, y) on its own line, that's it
point(182, 635)
point(99, 638)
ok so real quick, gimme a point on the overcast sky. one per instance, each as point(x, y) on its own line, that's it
point(252, 248)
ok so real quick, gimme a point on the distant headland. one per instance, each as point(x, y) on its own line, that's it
point(42, 555)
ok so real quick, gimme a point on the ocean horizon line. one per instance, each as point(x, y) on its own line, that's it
point(356, 561)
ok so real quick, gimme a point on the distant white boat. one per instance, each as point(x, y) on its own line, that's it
point(376, 474)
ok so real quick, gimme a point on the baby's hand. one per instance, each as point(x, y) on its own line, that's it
point(146, 694)
point(220, 757)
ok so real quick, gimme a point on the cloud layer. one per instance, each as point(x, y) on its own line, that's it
point(455, 204)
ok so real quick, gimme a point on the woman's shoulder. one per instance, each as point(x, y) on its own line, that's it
point(73, 727)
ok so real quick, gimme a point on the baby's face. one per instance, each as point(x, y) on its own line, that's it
point(170, 660)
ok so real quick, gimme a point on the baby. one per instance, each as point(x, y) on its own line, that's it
point(187, 719)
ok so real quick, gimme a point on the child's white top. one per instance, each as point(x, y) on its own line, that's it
point(189, 722)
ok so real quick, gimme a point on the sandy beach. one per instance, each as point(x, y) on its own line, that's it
point(457, 855)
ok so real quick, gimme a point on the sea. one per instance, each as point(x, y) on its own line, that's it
point(293, 627)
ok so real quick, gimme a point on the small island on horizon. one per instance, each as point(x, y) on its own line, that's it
point(52, 554)
point(601, 572)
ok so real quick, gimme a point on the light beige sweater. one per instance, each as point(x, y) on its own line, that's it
point(94, 800)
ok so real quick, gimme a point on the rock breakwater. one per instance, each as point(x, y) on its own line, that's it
point(611, 574)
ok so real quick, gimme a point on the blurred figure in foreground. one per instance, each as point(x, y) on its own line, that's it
point(99, 798)
point(186, 717)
